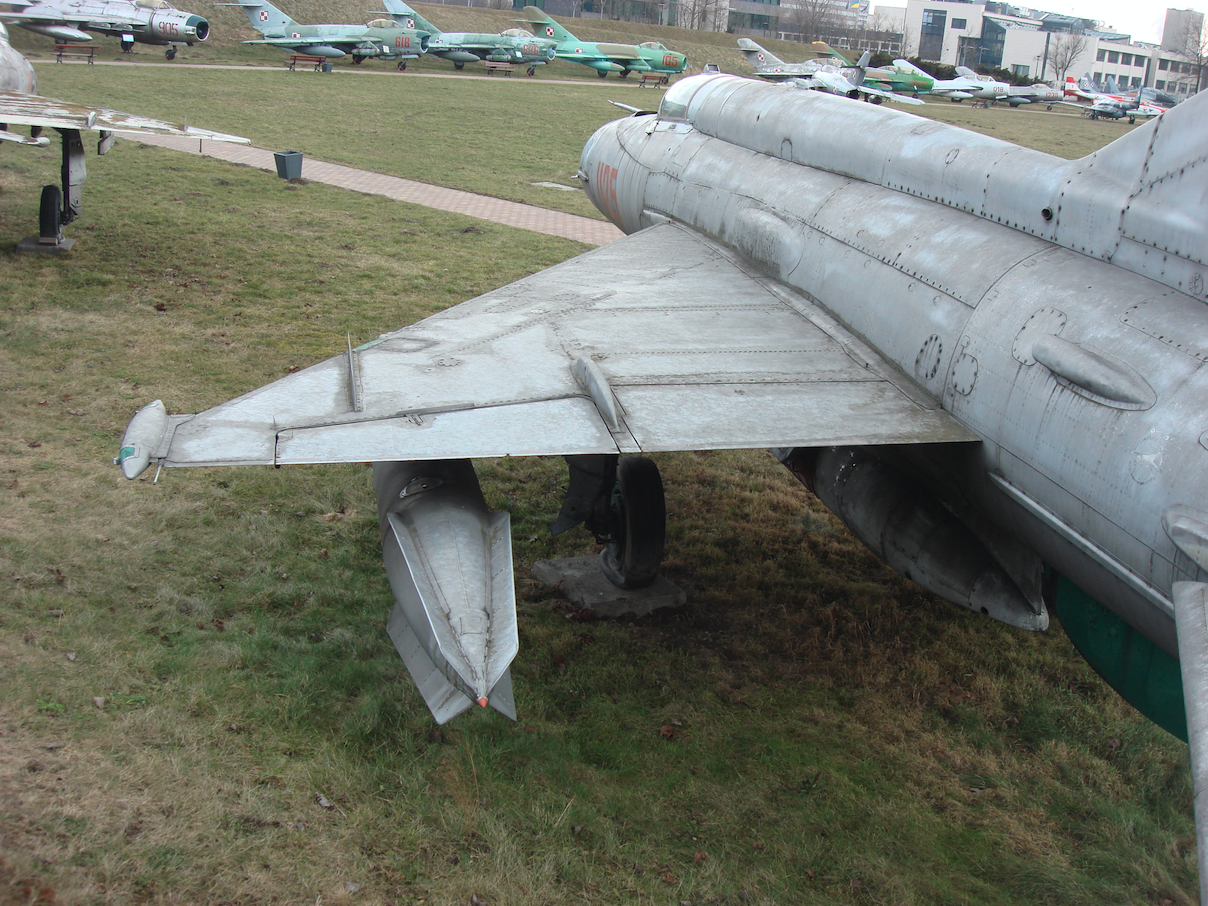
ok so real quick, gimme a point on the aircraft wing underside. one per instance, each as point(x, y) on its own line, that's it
point(660, 341)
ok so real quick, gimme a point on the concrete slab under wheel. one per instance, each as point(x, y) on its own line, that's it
point(34, 245)
point(582, 582)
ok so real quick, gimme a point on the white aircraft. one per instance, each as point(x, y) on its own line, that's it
point(824, 74)
point(20, 105)
point(967, 84)
point(142, 21)
point(1021, 428)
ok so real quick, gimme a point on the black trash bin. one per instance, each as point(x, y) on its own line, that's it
point(326, 66)
point(289, 164)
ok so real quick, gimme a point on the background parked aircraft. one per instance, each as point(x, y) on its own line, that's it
point(832, 74)
point(967, 84)
point(604, 58)
point(20, 105)
point(141, 21)
point(380, 38)
point(1100, 105)
point(461, 48)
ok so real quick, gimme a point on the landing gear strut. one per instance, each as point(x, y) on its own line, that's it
point(622, 504)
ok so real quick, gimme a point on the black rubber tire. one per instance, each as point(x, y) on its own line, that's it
point(50, 213)
point(170, 53)
point(459, 66)
point(602, 74)
point(641, 512)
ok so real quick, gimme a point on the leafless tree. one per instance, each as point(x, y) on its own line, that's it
point(703, 15)
point(812, 19)
point(1065, 48)
point(1193, 47)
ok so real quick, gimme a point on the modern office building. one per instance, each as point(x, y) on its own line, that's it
point(1043, 45)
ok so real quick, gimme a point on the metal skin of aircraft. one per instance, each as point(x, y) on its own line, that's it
point(139, 21)
point(1019, 428)
point(20, 105)
point(832, 74)
point(461, 48)
point(381, 39)
point(649, 56)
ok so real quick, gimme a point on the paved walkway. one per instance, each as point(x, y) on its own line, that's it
point(508, 213)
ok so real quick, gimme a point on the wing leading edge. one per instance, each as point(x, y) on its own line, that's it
point(661, 341)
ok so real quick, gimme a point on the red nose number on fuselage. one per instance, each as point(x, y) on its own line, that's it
point(606, 190)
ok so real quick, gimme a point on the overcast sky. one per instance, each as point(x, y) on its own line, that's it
point(1140, 18)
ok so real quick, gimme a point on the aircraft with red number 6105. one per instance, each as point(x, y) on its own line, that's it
point(988, 361)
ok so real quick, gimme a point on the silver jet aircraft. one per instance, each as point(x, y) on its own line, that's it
point(141, 21)
point(20, 105)
point(1021, 428)
point(830, 74)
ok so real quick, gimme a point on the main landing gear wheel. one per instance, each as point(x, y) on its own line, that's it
point(602, 74)
point(459, 66)
point(633, 555)
point(50, 213)
point(357, 59)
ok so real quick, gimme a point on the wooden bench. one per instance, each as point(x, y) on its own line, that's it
point(296, 58)
point(655, 79)
point(75, 50)
point(492, 68)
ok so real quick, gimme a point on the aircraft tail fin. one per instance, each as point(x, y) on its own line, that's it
point(405, 16)
point(264, 17)
point(1157, 175)
point(544, 26)
point(824, 49)
point(966, 72)
point(907, 66)
point(756, 55)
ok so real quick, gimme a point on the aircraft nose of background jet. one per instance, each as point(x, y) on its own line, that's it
point(200, 26)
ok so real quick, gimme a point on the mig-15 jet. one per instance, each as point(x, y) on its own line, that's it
point(967, 84)
point(21, 105)
point(1019, 428)
point(381, 39)
point(649, 56)
point(831, 74)
point(134, 21)
point(460, 48)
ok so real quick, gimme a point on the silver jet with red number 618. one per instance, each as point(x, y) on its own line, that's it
point(988, 361)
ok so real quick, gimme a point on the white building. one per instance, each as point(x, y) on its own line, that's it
point(1028, 42)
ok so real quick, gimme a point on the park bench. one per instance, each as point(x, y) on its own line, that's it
point(492, 68)
point(655, 79)
point(75, 50)
point(295, 59)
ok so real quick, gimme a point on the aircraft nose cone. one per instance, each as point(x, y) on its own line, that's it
point(200, 26)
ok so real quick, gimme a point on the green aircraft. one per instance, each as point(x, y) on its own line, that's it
point(381, 38)
point(461, 48)
point(896, 79)
point(650, 56)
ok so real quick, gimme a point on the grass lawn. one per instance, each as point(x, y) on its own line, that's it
point(201, 704)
